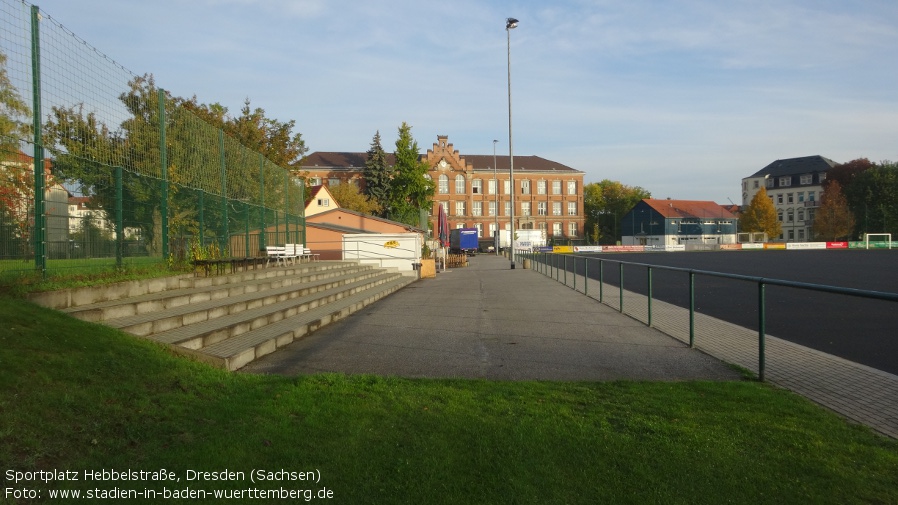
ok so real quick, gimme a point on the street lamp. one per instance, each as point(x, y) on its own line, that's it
point(496, 234)
point(510, 23)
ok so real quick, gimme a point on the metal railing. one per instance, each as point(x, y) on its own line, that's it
point(561, 266)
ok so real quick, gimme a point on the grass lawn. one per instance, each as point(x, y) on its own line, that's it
point(81, 397)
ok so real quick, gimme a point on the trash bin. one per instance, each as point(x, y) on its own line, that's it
point(526, 263)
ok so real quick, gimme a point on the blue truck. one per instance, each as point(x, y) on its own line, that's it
point(463, 240)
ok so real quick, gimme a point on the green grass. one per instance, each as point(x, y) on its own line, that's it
point(78, 396)
point(18, 278)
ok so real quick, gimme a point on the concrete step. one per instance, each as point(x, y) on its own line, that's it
point(148, 323)
point(203, 334)
point(234, 353)
point(240, 286)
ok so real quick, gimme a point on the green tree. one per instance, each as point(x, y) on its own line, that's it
point(349, 197)
point(14, 114)
point(833, 219)
point(606, 202)
point(378, 176)
point(873, 199)
point(760, 216)
point(410, 191)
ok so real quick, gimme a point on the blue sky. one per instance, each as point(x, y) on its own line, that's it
point(683, 98)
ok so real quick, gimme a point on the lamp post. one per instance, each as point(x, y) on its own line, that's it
point(510, 23)
point(496, 234)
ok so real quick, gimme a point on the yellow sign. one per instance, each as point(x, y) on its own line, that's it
point(561, 249)
point(392, 244)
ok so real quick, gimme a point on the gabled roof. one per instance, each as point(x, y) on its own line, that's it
point(688, 209)
point(796, 166)
point(320, 159)
point(356, 161)
point(315, 190)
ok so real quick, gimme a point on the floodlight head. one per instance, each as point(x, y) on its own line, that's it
point(511, 23)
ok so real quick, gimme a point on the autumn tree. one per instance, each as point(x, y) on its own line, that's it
point(349, 197)
point(378, 176)
point(16, 178)
point(411, 191)
point(760, 216)
point(833, 219)
point(873, 199)
point(605, 203)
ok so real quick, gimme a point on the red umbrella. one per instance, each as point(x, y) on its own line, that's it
point(443, 227)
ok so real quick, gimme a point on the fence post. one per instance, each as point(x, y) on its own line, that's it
point(621, 280)
point(223, 241)
point(691, 309)
point(40, 223)
point(202, 202)
point(246, 229)
point(565, 268)
point(262, 238)
point(586, 276)
point(650, 296)
point(163, 162)
point(762, 329)
point(601, 280)
point(119, 221)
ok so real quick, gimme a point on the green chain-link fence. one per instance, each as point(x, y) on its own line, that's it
point(100, 168)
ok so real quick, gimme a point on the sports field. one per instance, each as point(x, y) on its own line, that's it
point(861, 330)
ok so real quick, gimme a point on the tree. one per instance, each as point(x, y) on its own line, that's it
point(411, 191)
point(760, 216)
point(833, 220)
point(16, 177)
point(349, 197)
point(873, 199)
point(605, 203)
point(12, 112)
point(377, 176)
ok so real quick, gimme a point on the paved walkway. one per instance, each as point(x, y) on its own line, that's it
point(488, 321)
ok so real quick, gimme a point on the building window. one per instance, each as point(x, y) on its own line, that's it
point(572, 187)
point(525, 187)
point(572, 229)
point(572, 208)
point(810, 196)
point(801, 196)
point(821, 178)
point(477, 209)
point(492, 229)
point(459, 184)
point(492, 208)
point(801, 215)
point(791, 234)
point(491, 186)
point(785, 181)
point(779, 215)
point(556, 187)
point(801, 234)
point(541, 208)
point(333, 181)
point(525, 208)
point(444, 184)
point(556, 208)
point(324, 202)
point(314, 181)
point(790, 198)
point(507, 209)
point(779, 198)
point(756, 184)
point(769, 183)
point(556, 229)
point(479, 227)
point(477, 187)
point(541, 187)
point(507, 186)
point(460, 208)
point(790, 215)
point(807, 179)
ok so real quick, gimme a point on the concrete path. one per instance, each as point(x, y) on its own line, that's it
point(488, 321)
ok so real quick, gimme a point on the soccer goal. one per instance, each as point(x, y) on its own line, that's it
point(878, 243)
point(751, 238)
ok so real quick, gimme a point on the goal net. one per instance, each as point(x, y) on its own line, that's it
point(879, 240)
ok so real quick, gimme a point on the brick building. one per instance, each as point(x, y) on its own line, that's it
point(475, 191)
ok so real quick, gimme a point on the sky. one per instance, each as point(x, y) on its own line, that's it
point(683, 98)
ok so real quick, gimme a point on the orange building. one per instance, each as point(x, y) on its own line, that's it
point(475, 191)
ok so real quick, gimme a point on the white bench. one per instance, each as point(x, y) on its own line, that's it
point(275, 253)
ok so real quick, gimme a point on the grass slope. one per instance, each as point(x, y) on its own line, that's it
point(77, 396)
